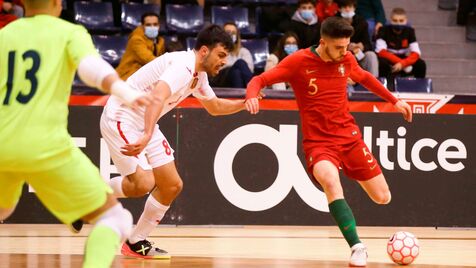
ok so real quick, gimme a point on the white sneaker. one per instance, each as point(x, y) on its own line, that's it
point(359, 255)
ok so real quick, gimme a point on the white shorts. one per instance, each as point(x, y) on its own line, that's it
point(119, 133)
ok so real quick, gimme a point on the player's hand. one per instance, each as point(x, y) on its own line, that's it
point(136, 148)
point(397, 67)
point(405, 109)
point(252, 105)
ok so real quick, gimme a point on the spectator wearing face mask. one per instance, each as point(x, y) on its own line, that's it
point(398, 49)
point(360, 44)
point(304, 23)
point(239, 67)
point(144, 45)
point(326, 9)
point(287, 45)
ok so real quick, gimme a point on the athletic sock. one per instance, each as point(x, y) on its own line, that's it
point(152, 215)
point(101, 247)
point(344, 218)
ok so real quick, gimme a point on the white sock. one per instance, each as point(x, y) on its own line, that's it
point(152, 215)
point(116, 185)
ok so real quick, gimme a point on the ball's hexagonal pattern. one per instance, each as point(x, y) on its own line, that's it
point(403, 248)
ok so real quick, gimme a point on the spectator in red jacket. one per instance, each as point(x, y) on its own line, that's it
point(326, 9)
point(6, 13)
point(398, 49)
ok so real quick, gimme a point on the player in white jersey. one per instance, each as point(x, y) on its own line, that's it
point(138, 148)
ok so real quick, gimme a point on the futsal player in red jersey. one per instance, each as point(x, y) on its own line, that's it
point(331, 138)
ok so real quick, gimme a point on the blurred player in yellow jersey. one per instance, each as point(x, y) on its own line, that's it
point(39, 55)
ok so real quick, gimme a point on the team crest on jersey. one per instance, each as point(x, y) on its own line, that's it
point(341, 69)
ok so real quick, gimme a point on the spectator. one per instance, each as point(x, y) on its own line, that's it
point(360, 44)
point(304, 23)
point(325, 9)
point(464, 8)
point(238, 70)
point(287, 45)
point(143, 46)
point(372, 11)
point(398, 49)
point(6, 13)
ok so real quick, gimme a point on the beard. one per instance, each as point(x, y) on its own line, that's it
point(208, 67)
point(330, 56)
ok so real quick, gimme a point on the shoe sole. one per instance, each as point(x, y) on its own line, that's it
point(126, 251)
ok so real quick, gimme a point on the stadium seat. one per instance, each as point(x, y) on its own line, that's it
point(239, 15)
point(184, 19)
point(259, 51)
point(471, 27)
point(359, 87)
point(110, 47)
point(132, 12)
point(95, 16)
point(410, 84)
point(447, 4)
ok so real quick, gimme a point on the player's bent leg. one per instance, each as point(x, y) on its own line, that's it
point(377, 189)
point(169, 184)
point(136, 184)
point(112, 225)
point(327, 174)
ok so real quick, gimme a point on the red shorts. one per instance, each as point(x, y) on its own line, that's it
point(355, 159)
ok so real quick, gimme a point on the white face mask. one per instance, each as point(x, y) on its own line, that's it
point(347, 15)
point(233, 38)
point(151, 31)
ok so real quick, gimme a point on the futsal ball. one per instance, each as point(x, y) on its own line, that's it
point(403, 248)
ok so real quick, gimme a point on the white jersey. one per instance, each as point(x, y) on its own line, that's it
point(177, 69)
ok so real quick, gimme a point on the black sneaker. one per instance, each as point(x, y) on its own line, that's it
point(76, 226)
point(143, 249)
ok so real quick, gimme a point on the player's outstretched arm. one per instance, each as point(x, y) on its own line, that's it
point(96, 72)
point(405, 109)
point(219, 106)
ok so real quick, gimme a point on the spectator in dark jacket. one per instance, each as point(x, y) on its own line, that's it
point(372, 11)
point(304, 23)
point(398, 49)
point(360, 44)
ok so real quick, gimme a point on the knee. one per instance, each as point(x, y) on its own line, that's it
point(240, 64)
point(383, 198)
point(141, 187)
point(176, 188)
point(5, 213)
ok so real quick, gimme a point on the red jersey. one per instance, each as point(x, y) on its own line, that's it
point(321, 94)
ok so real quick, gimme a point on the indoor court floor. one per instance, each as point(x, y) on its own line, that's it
point(52, 245)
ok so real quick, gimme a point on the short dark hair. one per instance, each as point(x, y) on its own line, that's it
point(213, 35)
point(336, 27)
point(279, 50)
point(398, 11)
point(346, 3)
point(302, 2)
point(148, 14)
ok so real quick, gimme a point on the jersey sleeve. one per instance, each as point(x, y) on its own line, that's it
point(357, 74)
point(204, 92)
point(176, 76)
point(80, 45)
